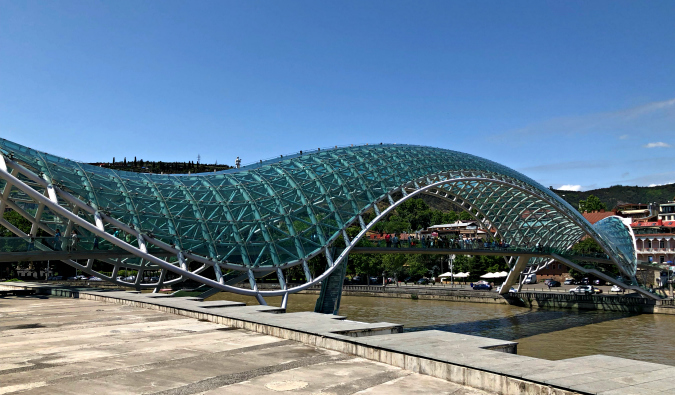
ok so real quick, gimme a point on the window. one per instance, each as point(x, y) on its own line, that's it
point(649, 244)
point(662, 259)
point(662, 244)
point(560, 266)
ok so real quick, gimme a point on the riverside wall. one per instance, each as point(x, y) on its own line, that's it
point(618, 303)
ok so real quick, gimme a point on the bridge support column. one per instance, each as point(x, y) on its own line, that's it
point(514, 274)
point(331, 290)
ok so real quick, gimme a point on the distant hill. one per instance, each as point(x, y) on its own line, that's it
point(611, 196)
point(619, 194)
point(142, 166)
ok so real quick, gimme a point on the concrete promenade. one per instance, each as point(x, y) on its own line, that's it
point(477, 362)
point(53, 345)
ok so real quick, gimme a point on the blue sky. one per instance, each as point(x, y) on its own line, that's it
point(576, 94)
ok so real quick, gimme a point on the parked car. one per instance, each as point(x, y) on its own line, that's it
point(155, 279)
point(585, 281)
point(569, 281)
point(94, 278)
point(423, 281)
point(552, 283)
point(582, 290)
point(482, 287)
point(597, 290)
point(512, 290)
point(616, 288)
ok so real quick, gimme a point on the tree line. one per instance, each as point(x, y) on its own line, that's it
point(159, 167)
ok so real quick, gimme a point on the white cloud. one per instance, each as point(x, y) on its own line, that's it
point(659, 144)
point(653, 117)
point(658, 185)
point(570, 187)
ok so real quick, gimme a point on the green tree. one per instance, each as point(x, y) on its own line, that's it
point(465, 216)
point(393, 264)
point(587, 246)
point(592, 203)
point(17, 220)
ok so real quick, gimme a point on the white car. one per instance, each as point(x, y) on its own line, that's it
point(512, 290)
point(616, 288)
point(95, 279)
point(583, 290)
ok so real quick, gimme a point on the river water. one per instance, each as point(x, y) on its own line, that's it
point(541, 333)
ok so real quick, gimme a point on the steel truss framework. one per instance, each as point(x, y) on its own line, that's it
point(269, 217)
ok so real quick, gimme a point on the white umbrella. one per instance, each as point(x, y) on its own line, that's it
point(502, 274)
point(488, 275)
point(446, 274)
point(459, 275)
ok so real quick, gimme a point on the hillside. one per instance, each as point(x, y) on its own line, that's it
point(619, 194)
point(141, 166)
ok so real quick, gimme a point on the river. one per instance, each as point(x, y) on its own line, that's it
point(541, 333)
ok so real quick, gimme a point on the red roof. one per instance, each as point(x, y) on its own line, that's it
point(668, 224)
point(597, 216)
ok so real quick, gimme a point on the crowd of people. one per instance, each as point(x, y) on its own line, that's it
point(404, 240)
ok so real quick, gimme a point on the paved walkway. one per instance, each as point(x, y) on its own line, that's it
point(75, 346)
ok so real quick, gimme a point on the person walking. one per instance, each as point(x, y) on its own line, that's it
point(387, 240)
point(57, 240)
point(73, 240)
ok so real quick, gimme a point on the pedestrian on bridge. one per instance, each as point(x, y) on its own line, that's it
point(57, 240)
point(73, 240)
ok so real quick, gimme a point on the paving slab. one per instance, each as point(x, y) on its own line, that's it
point(488, 364)
point(175, 355)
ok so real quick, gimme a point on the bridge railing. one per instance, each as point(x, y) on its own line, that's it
point(480, 245)
point(52, 243)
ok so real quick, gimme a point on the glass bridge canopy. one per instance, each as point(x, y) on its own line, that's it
point(280, 212)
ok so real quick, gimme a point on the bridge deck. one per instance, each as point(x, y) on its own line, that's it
point(471, 251)
point(36, 255)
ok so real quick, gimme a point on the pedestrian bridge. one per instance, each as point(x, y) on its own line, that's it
point(275, 215)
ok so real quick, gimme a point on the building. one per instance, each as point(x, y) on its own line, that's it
point(637, 212)
point(554, 271)
point(667, 211)
point(655, 241)
point(463, 229)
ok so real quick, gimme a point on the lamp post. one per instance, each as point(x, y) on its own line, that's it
point(451, 261)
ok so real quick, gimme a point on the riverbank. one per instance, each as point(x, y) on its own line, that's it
point(478, 362)
point(555, 300)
